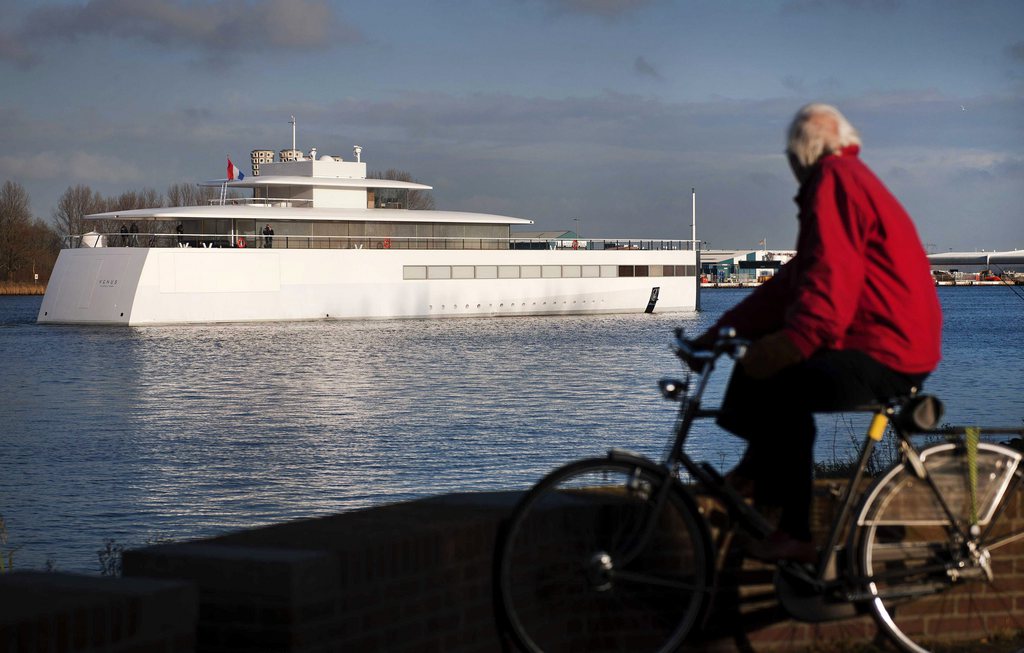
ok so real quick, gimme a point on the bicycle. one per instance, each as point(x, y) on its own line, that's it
point(615, 553)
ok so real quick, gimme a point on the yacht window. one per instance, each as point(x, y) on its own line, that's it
point(591, 271)
point(462, 272)
point(551, 271)
point(414, 272)
point(487, 272)
point(530, 271)
point(439, 272)
point(571, 271)
point(508, 271)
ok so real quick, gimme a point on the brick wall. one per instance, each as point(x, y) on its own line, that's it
point(55, 612)
point(416, 577)
point(407, 577)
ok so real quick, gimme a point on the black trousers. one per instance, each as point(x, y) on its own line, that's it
point(776, 417)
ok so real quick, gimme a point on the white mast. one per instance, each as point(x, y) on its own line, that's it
point(293, 133)
point(693, 224)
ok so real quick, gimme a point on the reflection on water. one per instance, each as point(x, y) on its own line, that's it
point(145, 434)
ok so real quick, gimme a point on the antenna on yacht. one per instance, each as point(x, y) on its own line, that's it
point(293, 133)
point(357, 150)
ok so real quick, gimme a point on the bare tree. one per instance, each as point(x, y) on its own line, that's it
point(134, 199)
point(74, 204)
point(42, 245)
point(403, 198)
point(126, 201)
point(15, 219)
point(190, 195)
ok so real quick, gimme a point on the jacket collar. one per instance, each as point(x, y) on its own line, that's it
point(849, 150)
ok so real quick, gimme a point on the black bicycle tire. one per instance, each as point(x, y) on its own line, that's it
point(525, 515)
point(918, 545)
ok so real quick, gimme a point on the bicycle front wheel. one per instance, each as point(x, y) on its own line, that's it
point(933, 584)
point(604, 555)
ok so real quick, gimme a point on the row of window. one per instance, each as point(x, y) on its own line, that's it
point(419, 272)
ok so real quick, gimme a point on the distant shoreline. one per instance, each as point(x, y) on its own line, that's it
point(22, 288)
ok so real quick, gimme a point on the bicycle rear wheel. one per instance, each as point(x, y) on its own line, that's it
point(931, 589)
point(591, 562)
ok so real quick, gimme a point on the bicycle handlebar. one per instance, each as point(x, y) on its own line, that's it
point(697, 358)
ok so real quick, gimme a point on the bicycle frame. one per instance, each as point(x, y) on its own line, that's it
point(691, 409)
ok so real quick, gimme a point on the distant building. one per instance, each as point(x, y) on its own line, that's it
point(547, 240)
point(743, 266)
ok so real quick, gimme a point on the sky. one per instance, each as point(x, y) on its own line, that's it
point(596, 114)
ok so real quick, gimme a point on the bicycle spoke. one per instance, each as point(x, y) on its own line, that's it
point(590, 562)
point(1004, 540)
point(660, 581)
point(930, 586)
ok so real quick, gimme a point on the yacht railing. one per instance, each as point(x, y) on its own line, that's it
point(286, 241)
point(261, 201)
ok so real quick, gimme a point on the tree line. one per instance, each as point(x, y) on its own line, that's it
point(29, 245)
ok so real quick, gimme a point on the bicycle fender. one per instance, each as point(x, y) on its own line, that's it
point(626, 455)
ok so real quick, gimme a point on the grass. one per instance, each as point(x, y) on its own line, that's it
point(22, 288)
point(6, 554)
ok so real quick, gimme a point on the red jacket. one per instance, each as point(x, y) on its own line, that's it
point(860, 278)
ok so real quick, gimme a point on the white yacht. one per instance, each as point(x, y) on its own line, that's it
point(333, 255)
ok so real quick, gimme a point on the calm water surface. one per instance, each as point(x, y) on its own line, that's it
point(141, 435)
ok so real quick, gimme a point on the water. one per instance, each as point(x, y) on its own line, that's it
point(144, 435)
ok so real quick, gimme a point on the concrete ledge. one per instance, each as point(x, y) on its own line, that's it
point(42, 611)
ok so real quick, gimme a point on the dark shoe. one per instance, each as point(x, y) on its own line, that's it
point(781, 546)
point(740, 484)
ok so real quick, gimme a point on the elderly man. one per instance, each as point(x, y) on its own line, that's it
point(852, 319)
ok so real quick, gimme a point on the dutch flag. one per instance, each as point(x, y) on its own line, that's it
point(234, 174)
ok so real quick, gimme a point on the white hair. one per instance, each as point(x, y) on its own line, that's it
point(817, 130)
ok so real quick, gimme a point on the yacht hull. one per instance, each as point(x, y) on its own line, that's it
point(152, 286)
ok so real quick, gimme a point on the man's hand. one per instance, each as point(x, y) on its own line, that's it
point(704, 341)
point(770, 355)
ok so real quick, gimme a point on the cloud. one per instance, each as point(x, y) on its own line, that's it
point(73, 167)
point(624, 162)
point(602, 8)
point(644, 68)
point(12, 49)
point(213, 28)
point(818, 88)
point(1016, 52)
point(814, 6)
